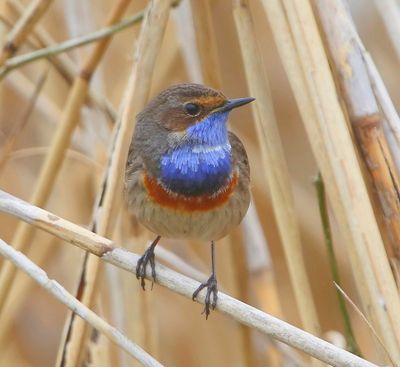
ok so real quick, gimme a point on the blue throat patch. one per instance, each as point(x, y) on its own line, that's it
point(202, 163)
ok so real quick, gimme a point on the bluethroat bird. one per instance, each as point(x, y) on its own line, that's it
point(187, 176)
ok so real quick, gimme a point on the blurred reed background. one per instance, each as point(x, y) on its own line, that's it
point(57, 120)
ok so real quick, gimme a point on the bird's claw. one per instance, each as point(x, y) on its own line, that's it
point(147, 257)
point(212, 291)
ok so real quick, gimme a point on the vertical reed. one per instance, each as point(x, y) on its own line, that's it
point(305, 62)
point(276, 170)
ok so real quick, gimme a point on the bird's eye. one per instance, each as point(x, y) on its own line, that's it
point(192, 109)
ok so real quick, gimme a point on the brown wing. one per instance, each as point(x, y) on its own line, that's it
point(134, 162)
point(240, 159)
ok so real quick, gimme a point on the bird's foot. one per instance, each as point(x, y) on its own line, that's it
point(212, 292)
point(147, 257)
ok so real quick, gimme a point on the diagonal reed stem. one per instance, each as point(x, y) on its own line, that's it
point(52, 286)
point(239, 311)
point(72, 349)
point(63, 63)
point(136, 95)
point(21, 60)
point(23, 27)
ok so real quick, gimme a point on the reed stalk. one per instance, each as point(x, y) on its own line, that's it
point(40, 38)
point(365, 118)
point(52, 286)
point(206, 43)
point(136, 95)
point(72, 349)
point(46, 179)
point(8, 147)
point(276, 171)
point(391, 118)
point(302, 53)
point(47, 52)
point(23, 27)
point(389, 10)
point(62, 62)
point(180, 284)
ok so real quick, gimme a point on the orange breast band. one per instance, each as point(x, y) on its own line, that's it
point(188, 203)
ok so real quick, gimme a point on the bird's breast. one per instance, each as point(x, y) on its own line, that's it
point(196, 170)
point(166, 198)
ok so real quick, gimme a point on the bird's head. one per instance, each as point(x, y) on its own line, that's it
point(191, 112)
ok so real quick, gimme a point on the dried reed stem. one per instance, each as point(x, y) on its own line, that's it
point(41, 38)
point(261, 272)
point(59, 292)
point(180, 284)
point(276, 170)
point(365, 117)
point(389, 10)
point(23, 27)
point(71, 350)
point(46, 179)
point(18, 127)
point(63, 63)
point(301, 50)
point(206, 43)
point(135, 97)
point(240, 276)
point(385, 103)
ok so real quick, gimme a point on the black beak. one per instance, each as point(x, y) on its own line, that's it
point(233, 103)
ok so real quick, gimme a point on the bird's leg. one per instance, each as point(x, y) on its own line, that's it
point(147, 257)
point(212, 289)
